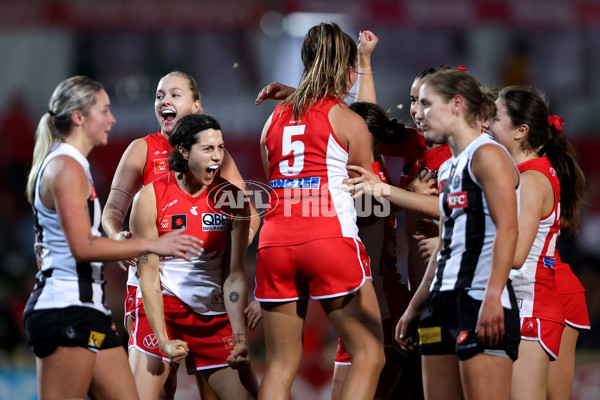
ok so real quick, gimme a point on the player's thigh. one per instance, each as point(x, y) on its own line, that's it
point(112, 376)
point(441, 377)
point(66, 373)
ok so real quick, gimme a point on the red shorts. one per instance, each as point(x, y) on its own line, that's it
point(548, 333)
point(209, 337)
point(131, 300)
point(576, 311)
point(341, 355)
point(323, 268)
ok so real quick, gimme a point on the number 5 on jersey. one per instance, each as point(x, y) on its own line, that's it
point(293, 165)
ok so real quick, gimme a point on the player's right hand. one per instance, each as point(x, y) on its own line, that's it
point(176, 350)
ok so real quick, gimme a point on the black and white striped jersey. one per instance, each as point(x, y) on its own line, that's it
point(62, 281)
point(468, 230)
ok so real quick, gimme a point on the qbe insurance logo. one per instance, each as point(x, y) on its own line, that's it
point(228, 198)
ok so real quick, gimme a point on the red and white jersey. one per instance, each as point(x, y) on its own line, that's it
point(157, 164)
point(566, 280)
point(197, 283)
point(534, 283)
point(307, 165)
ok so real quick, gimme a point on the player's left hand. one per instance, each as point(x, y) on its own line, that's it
point(490, 323)
point(253, 314)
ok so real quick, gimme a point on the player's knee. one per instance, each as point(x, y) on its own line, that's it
point(370, 357)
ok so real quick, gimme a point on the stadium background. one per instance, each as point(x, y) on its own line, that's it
point(235, 47)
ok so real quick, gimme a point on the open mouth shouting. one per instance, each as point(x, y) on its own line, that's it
point(168, 116)
point(211, 171)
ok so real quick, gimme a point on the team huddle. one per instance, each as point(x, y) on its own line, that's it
point(488, 183)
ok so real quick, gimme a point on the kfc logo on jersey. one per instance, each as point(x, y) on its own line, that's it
point(161, 166)
point(457, 200)
point(171, 222)
point(214, 222)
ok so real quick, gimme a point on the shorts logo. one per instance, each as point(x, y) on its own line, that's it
point(150, 342)
point(70, 332)
point(214, 222)
point(529, 325)
point(228, 342)
point(171, 222)
point(457, 200)
point(161, 166)
point(430, 335)
point(462, 338)
point(96, 339)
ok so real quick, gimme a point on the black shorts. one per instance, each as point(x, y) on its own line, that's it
point(69, 327)
point(448, 322)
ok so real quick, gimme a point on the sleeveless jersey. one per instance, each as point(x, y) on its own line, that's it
point(157, 164)
point(62, 281)
point(307, 165)
point(468, 231)
point(157, 160)
point(534, 282)
point(197, 283)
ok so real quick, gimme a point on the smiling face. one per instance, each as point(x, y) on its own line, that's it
point(98, 120)
point(173, 101)
point(205, 156)
point(434, 115)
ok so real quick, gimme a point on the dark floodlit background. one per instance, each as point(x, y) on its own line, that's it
point(235, 47)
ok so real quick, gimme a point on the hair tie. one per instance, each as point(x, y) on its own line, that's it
point(461, 68)
point(52, 114)
point(556, 122)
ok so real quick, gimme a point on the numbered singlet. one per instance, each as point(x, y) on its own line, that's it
point(307, 165)
point(197, 283)
point(157, 164)
point(534, 282)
